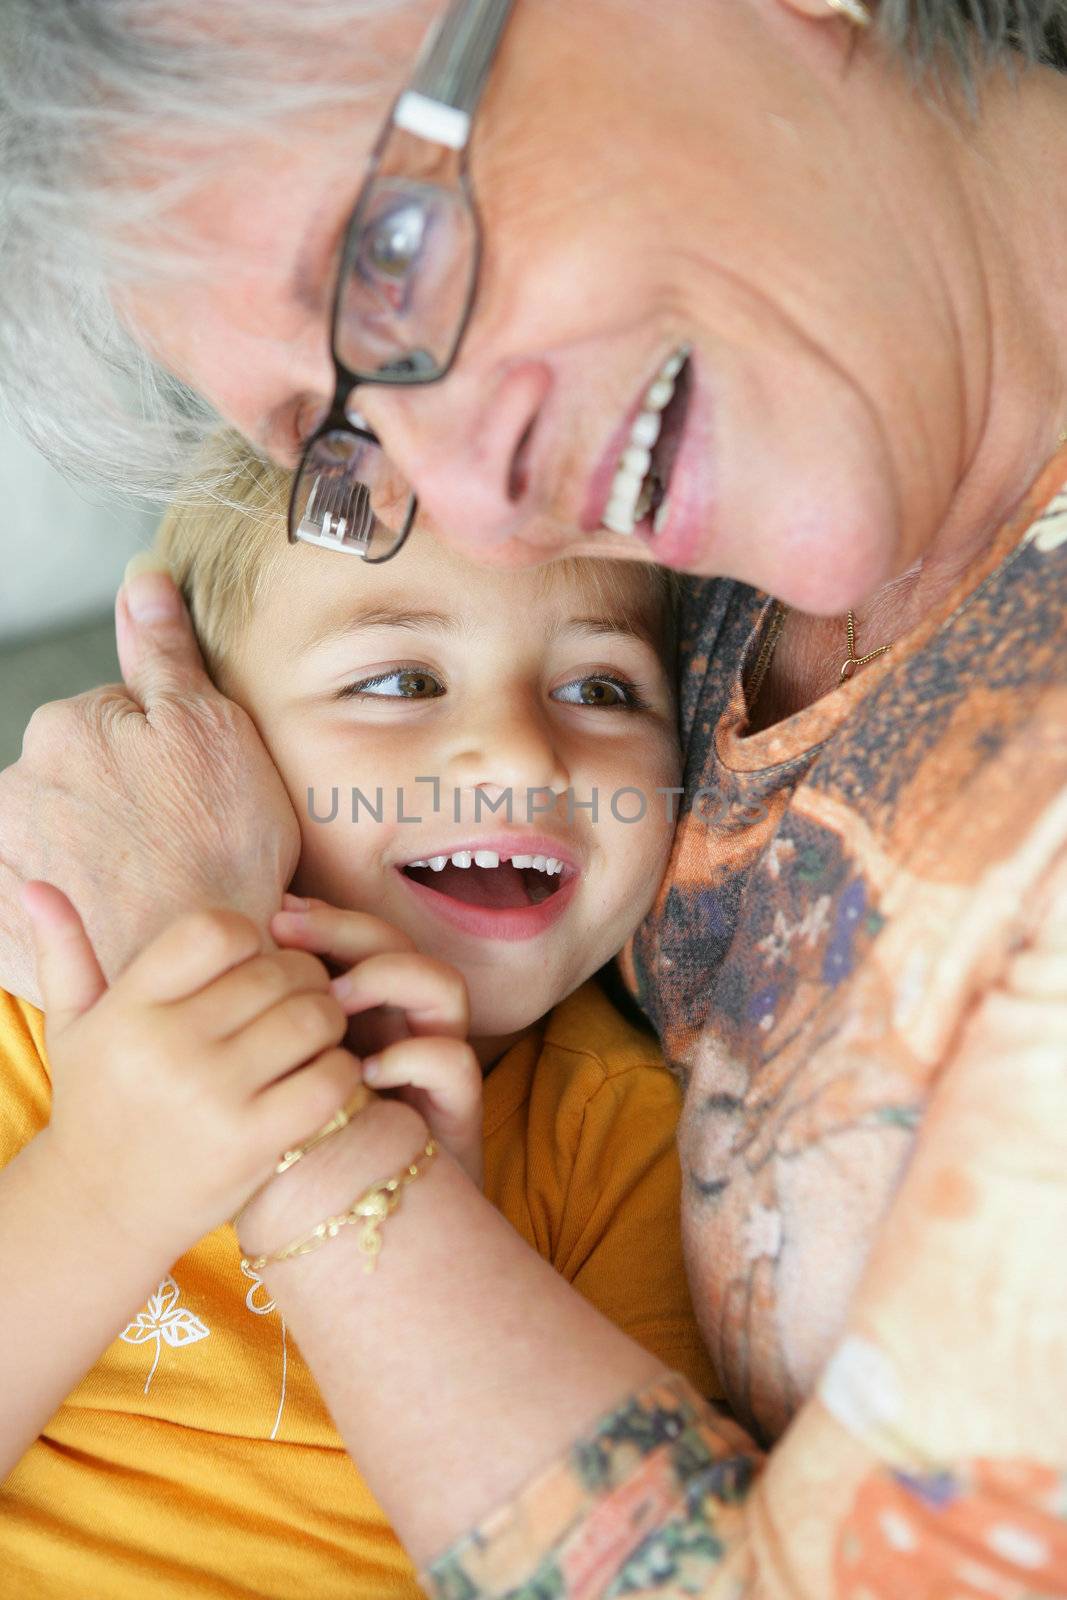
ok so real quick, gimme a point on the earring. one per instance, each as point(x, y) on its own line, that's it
point(854, 11)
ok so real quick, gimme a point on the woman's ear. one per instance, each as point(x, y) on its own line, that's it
point(858, 12)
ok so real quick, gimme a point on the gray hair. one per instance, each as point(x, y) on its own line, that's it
point(87, 183)
point(85, 88)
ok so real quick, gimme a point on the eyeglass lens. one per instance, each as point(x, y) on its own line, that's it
point(407, 281)
point(349, 496)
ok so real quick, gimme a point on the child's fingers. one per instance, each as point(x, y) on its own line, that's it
point(245, 992)
point(68, 973)
point(290, 1111)
point(432, 995)
point(287, 1036)
point(343, 937)
point(193, 951)
point(447, 1074)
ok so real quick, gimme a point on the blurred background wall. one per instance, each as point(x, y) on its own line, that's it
point(63, 555)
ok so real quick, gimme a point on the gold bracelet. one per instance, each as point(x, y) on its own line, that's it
point(371, 1209)
point(358, 1101)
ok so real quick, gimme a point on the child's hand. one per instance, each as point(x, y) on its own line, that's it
point(416, 1042)
point(176, 1089)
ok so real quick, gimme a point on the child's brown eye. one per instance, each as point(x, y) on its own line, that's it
point(403, 683)
point(598, 692)
point(417, 685)
point(607, 692)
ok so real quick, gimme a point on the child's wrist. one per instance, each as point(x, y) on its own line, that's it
point(71, 1199)
point(385, 1136)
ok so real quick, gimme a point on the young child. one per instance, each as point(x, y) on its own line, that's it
point(481, 764)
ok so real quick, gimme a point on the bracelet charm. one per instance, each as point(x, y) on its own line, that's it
point(371, 1209)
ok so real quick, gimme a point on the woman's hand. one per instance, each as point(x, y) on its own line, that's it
point(176, 1089)
point(411, 1018)
point(142, 800)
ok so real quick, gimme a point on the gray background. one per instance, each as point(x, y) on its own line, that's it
point(63, 557)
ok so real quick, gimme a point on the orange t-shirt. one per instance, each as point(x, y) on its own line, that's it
point(197, 1457)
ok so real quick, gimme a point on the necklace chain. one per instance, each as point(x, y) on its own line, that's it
point(852, 660)
point(776, 622)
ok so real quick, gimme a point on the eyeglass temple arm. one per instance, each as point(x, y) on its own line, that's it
point(450, 76)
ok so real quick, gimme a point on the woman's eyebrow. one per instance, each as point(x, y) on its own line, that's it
point(307, 286)
point(315, 268)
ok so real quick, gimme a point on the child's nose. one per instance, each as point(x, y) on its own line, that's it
point(516, 754)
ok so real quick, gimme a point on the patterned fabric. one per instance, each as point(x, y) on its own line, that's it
point(844, 889)
point(618, 1515)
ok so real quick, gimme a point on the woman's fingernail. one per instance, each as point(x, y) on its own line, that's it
point(341, 988)
point(151, 593)
point(372, 1069)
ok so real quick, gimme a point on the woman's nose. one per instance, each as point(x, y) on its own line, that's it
point(466, 448)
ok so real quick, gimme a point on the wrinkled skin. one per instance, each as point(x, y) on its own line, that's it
point(141, 801)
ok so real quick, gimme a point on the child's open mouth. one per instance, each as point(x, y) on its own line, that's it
point(494, 893)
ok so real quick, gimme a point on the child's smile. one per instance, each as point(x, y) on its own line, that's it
point(498, 887)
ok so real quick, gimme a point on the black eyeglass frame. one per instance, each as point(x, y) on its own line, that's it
point(450, 78)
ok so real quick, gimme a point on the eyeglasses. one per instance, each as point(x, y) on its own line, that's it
point(409, 269)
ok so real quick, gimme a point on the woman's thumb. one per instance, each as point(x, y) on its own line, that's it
point(68, 973)
point(157, 648)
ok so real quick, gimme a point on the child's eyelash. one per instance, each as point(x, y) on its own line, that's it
point(634, 699)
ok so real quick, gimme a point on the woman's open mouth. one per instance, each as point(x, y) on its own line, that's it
point(500, 893)
point(639, 495)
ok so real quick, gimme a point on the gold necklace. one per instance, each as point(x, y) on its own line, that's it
point(852, 660)
point(775, 623)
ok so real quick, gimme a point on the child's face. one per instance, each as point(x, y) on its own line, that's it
point(427, 668)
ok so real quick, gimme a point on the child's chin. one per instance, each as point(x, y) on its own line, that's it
point(492, 1019)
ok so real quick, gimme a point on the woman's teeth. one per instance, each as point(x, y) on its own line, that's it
point(634, 484)
point(489, 858)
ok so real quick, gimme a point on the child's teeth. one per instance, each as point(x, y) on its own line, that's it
point(418, 863)
point(630, 496)
point(486, 858)
point(462, 858)
point(539, 863)
point(438, 863)
point(552, 865)
point(522, 861)
point(660, 519)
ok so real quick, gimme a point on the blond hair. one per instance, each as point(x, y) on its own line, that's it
point(224, 545)
point(224, 548)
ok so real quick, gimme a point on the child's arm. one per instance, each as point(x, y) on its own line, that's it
point(174, 1092)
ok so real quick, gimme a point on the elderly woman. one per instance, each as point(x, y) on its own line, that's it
point(771, 292)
